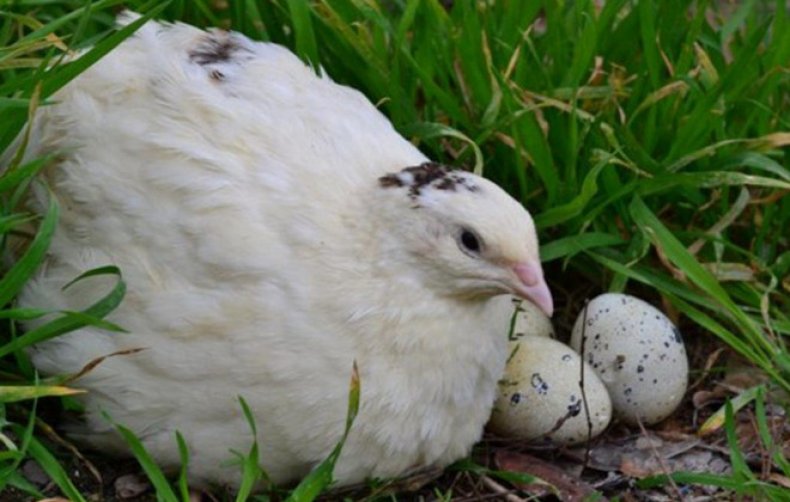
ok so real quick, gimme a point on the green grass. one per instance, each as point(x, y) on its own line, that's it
point(650, 140)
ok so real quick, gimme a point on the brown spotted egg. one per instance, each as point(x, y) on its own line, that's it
point(540, 396)
point(637, 352)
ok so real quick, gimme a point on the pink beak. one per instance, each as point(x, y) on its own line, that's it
point(533, 287)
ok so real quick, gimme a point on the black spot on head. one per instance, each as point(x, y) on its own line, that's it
point(515, 398)
point(640, 369)
point(433, 174)
point(427, 172)
point(389, 181)
point(454, 180)
point(217, 47)
point(446, 183)
point(419, 176)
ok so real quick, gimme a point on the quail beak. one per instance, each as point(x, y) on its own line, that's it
point(531, 286)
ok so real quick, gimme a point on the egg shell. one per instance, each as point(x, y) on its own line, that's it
point(637, 352)
point(540, 392)
point(528, 319)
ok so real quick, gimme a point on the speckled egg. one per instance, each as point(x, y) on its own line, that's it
point(540, 396)
point(637, 352)
point(528, 319)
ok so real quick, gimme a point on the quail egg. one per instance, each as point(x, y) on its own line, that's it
point(528, 319)
point(540, 396)
point(637, 352)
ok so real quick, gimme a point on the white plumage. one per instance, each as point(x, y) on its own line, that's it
point(270, 236)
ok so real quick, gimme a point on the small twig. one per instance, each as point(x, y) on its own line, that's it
point(770, 199)
point(661, 463)
point(766, 462)
point(711, 360)
point(54, 436)
point(729, 217)
point(581, 384)
point(677, 273)
point(506, 493)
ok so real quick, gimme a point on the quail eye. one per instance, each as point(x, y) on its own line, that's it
point(469, 241)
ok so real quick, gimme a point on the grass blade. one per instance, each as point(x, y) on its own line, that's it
point(52, 467)
point(320, 478)
point(152, 471)
point(71, 321)
point(13, 280)
point(13, 393)
point(306, 46)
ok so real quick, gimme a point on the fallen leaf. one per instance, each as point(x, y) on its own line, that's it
point(34, 473)
point(130, 486)
point(569, 488)
point(639, 456)
point(693, 461)
point(703, 397)
point(779, 479)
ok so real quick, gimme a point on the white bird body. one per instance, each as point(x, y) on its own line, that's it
point(266, 247)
